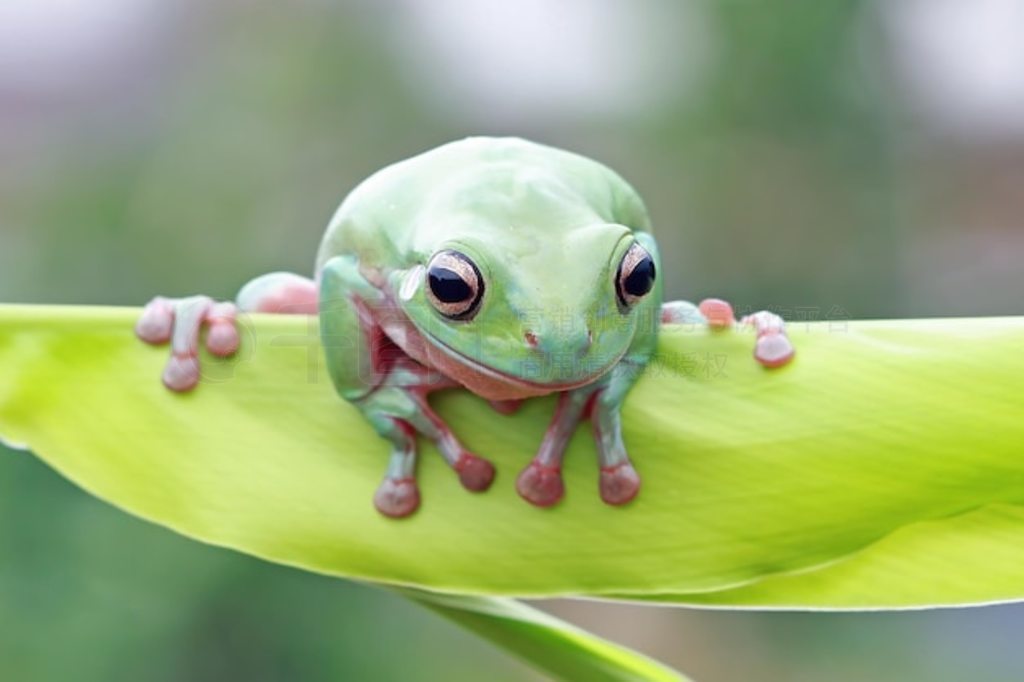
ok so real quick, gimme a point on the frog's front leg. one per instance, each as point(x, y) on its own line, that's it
point(388, 387)
point(180, 321)
point(540, 483)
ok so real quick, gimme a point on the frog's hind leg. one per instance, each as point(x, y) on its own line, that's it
point(540, 483)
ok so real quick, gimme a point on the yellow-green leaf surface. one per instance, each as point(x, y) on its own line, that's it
point(884, 467)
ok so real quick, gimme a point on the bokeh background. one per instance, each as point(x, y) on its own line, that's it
point(827, 159)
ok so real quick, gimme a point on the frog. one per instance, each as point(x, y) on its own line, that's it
point(504, 267)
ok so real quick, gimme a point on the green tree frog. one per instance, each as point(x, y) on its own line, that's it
point(498, 265)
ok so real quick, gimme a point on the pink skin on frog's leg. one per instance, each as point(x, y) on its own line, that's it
point(398, 494)
point(475, 473)
point(619, 481)
point(400, 421)
point(505, 407)
point(180, 321)
point(540, 483)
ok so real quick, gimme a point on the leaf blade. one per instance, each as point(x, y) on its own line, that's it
point(550, 644)
point(748, 474)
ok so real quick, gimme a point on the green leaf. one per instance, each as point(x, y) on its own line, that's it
point(884, 468)
point(551, 644)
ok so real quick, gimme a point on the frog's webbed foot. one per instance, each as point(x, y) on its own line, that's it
point(180, 321)
point(619, 483)
point(397, 497)
point(541, 484)
point(398, 413)
point(772, 348)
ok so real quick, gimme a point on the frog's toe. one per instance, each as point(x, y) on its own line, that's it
point(476, 473)
point(222, 339)
point(397, 497)
point(619, 483)
point(718, 313)
point(774, 349)
point(540, 485)
point(156, 324)
point(181, 373)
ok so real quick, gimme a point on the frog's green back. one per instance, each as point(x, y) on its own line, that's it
point(516, 194)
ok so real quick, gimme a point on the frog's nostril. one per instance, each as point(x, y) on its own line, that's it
point(585, 344)
point(531, 339)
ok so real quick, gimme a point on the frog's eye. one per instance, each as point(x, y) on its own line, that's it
point(636, 275)
point(454, 285)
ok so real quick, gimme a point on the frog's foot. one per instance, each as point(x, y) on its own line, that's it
point(619, 483)
point(717, 312)
point(180, 321)
point(541, 484)
point(475, 473)
point(399, 413)
point(773, 348)
point(397, 497)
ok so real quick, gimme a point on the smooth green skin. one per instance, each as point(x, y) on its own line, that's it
point(517, 209)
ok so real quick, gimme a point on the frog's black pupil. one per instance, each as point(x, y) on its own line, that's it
point(448, 286)
point(640, 281)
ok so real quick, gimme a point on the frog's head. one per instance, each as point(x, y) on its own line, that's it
point(522, 312)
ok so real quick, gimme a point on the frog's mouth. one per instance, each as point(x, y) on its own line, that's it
point(516, 380)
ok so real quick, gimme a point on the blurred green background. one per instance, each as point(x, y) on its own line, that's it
point(826, 159)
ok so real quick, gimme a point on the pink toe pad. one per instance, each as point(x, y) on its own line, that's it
point(222, 339)
point(540, 485)
point(397, 497)
point(476, 473)
point(718, 313)
point(774, 350)
point(156, 324)
point(619, 484)
point(181, 373)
